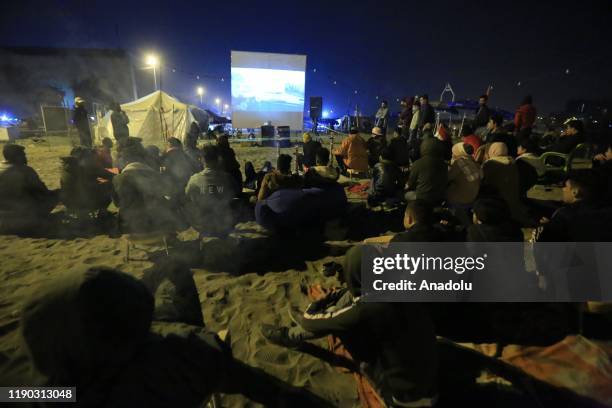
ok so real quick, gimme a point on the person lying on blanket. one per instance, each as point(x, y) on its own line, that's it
point(393, 344)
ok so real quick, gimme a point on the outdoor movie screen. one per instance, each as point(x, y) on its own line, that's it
point(267, 88)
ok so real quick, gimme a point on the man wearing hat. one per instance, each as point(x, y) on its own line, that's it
point(376, 144)
point(24, 198)
point(310, 148)
point(80, 118)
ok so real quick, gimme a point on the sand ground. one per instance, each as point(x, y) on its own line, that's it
point(239, 303)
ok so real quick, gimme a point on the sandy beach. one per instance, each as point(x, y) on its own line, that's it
point(238, 303)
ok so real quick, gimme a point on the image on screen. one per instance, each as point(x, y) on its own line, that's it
point(267, 90)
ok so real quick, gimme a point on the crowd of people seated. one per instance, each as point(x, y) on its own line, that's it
point(481, 182)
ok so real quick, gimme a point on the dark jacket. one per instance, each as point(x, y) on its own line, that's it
point(81, 188)
point(507, 232)
point(310, 149)
point(375, 146)
point(427, 115)
point(405, 117)
point(501, 178)
point(386, 179)
point(402, 364)
point(528, 176)
point(178, 170)
point(80, 117)
point(231, 165)
point(429, 175)
point(400, 151)
point(120, 122)
point(421, 233)
point(139, 194)
point(209, 194)
point(108, 345)
point(482, 116)
point(23, 192)
point(578, 222)
point(566, 144)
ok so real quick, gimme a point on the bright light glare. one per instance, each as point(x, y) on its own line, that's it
point(325, 114)
point(217, 101)
point(4, 118)
point(200, 91)
point(152, 60)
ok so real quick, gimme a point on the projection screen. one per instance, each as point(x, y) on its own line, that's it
point(267, 88)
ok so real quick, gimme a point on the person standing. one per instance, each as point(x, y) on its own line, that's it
point(483, 114)
point(382, 117)
point(120, 120)
point(405, 117)
point(427, 114)
point(80, 118)
point(524, 118)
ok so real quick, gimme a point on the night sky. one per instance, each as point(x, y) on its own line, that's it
point(388, 49)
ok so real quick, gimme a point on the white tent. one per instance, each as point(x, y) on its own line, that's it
point(153, 118)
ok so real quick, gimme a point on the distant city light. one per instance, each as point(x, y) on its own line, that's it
point(325, 114)
point(4, 118)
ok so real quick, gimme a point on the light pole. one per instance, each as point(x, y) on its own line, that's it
point(218, 102)
point(152, 61)
point(200, 92)
point(225, 108)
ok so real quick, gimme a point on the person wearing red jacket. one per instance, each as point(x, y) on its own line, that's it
point(525, 117)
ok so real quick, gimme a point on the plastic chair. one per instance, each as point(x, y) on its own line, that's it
point(559, 165)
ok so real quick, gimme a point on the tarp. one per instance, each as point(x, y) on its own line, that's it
point(153, 118)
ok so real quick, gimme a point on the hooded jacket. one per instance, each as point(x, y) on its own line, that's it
point(354, 153)
point(21, 189)
point(386, 179)
point(398, 354)
point(501, 177)
point(429, 174)
point(139, 193)
point(525, 117)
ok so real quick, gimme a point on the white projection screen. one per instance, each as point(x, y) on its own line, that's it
point(268, 88)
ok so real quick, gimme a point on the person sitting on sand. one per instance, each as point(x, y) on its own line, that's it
point(497, 134)
point(309, 149)
point(387, 181)
point(464, 177)
point(375, 144)
point(178, 168)
point(104, 154)
point(122, 346)
point(86, 186)
point(209, 194)
point(493, 223)
point(428, 175)
point(140, 194)
point(353, 153)
point(501, 179)
point(279, 178)
point(401, 364)
point(419, 224)
point(399, 149)
point(581, 219)
point(322, 174)
point(191, 146)
point(229, 162)
point(25, 201)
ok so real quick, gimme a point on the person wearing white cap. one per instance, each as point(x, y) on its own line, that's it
point(375, 144)
point(80, 118)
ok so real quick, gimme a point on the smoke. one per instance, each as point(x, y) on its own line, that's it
point(30, 77)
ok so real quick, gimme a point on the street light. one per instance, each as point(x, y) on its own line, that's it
point(217, 102)
point(200, 92)
point(152, 61)
point(225, 108)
